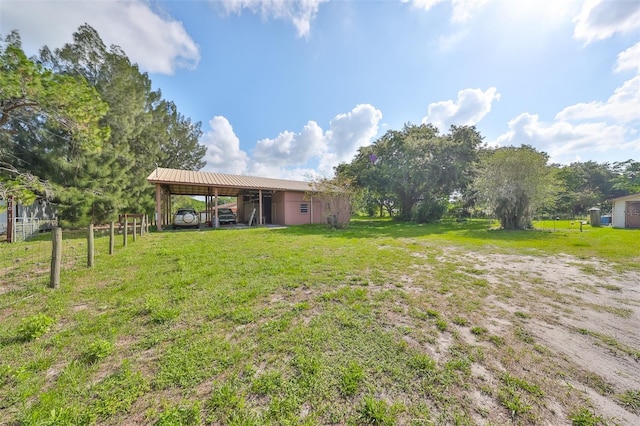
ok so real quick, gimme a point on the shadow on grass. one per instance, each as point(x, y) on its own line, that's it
point(381, 228)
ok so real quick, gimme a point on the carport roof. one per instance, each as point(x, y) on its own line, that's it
point(188, 182)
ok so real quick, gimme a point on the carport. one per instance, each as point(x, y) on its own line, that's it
point(260, 200)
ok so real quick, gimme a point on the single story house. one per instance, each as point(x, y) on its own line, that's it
point(260, 200)
point(625, 212)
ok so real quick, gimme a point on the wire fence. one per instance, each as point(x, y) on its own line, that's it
point(29, 262)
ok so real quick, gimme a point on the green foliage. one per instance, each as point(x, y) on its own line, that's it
point(34, 326)
point(180, 415)
point(415, 164)
point(118, 392)
point(101, 129)
point(513, 183)
point(374, 411)
point(428, 210)
point(585, 417)
point(268, 383)
point(97, 351)
point(351, 378)
point(630, 399)
point(479, 331)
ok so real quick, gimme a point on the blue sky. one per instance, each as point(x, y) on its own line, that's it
point(291, 88)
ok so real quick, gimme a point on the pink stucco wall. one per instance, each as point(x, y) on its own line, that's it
point(291, 203)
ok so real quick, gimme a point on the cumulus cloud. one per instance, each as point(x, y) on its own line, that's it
point(292, 148)
point(471, 107)
point(623, 106)
point(348, 132)
point(158, 44)
point(300, 12)
point(292, 155)
point(563, 140)
point(462, 9)
point(600, 19)
point(223, 148)
point(629, 59)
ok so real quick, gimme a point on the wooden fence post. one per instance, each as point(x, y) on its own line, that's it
point(111, 237)
point(135, 225)
point(124, 232)
point(56, 257)
point(90, 247)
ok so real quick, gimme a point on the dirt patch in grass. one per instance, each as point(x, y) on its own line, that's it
point(573, 308)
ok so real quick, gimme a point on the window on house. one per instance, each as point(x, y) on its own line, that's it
point(304, 208)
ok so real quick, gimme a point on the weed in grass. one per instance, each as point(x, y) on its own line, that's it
point(432, 313)
point(182, 415)
point(190, 359)
point(96, 351)
point(513, 402)
point(585, 417)
point(423, 364)
point(479, 331)
point(374, 411)
point(523, 334)
point(598, 383)
point(496, 340)
point(512, 381)
point(631, 400)
point(521, 314)
point(612, 342)
point(351, 378)
point(441, 324)
point(610, 287)
point(33, 327)
point(480, 282)
point(268, 383)
point(224, 403)
point(460, 321)
point(118, 392)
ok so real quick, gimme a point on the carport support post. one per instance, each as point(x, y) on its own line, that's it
point(217, 222)
point(260, 221)
point(158, 207)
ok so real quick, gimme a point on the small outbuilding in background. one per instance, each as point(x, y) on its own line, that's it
point(625, 212)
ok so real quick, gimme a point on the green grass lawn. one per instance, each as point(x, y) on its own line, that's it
point(380, 323)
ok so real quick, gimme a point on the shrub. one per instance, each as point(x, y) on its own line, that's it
point(34, 326)
point(96, 351)
point(427, 211)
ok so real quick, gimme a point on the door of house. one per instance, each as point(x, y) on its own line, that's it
point(632, 214)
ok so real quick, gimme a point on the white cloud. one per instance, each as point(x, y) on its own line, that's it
point(471, 107)
point(292, 155)
point(300, 12)
point(223, 148)
point(600, 19)
point(629, 59)
point(623, 106)
point(156, 43)
point(348, 132)
point(462, 9)
point(564, 141)
point(292, 148)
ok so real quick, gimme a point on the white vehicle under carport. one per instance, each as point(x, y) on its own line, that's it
point(185, 218)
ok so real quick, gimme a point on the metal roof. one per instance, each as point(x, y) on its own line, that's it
point(187, 182)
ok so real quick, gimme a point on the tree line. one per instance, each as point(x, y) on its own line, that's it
point(81, 126)
point(417, 174)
